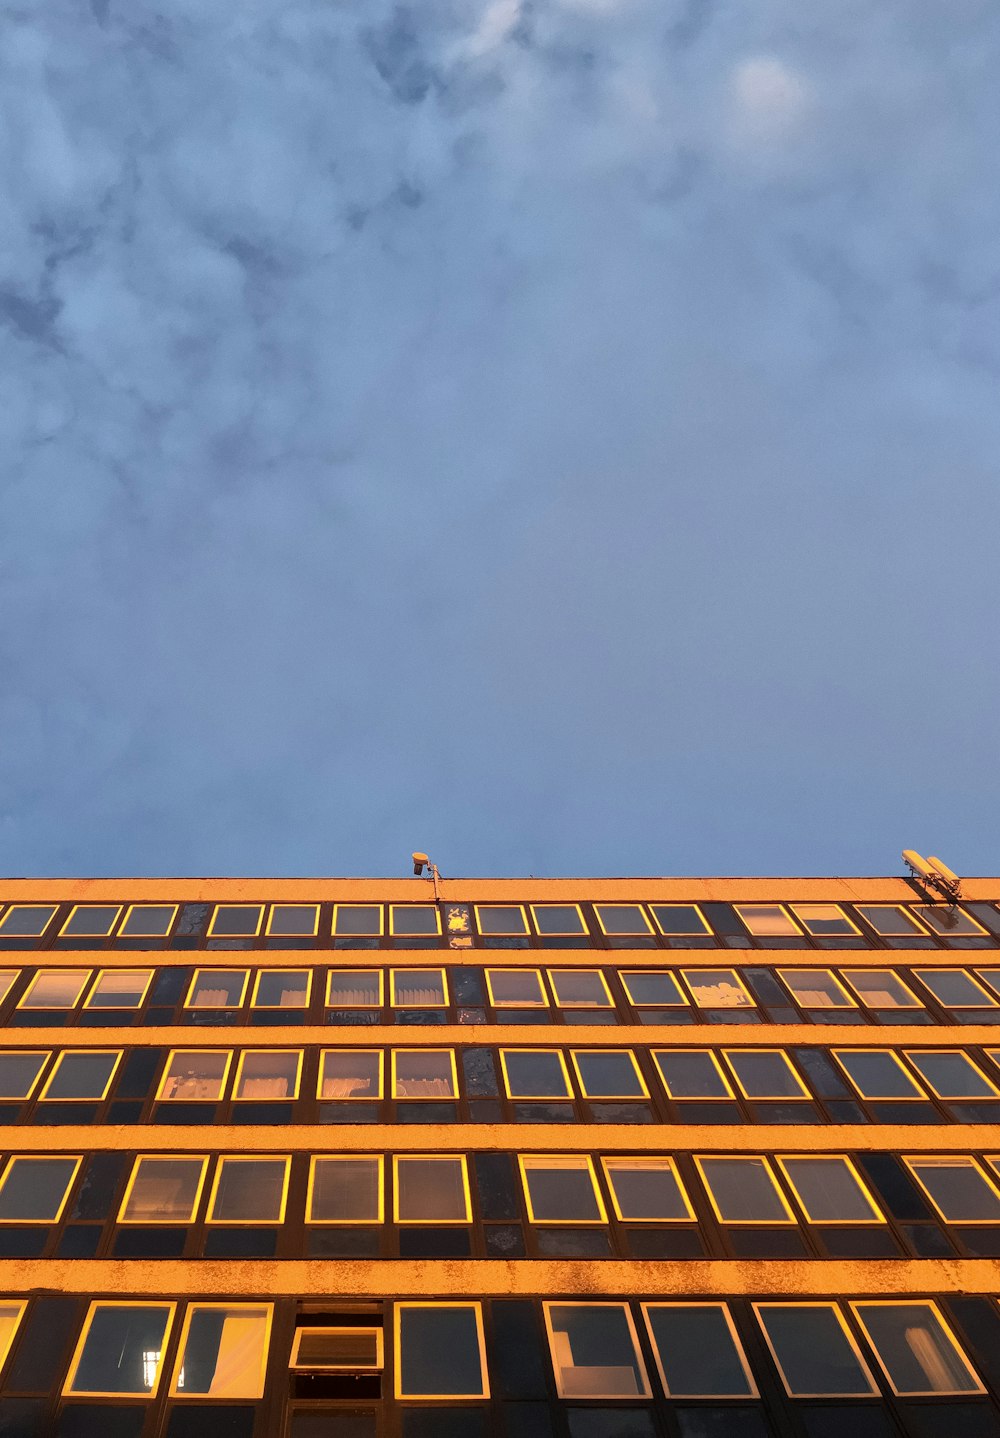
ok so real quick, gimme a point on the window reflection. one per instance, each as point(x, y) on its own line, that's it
point(55, 989)
point(717, 989)
point(120, 1349)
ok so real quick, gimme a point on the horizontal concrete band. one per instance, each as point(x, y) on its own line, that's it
point(449, 1278)
point(517, 1138)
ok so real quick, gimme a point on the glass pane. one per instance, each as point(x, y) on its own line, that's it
point(236, 921)
point(121, 1349)
point(829, 1190)
point(163, 1190)
point(93, 921)
point(249, 1190)
point(419, 989)
point(765, 1073)
point(119, 989)
point(594, 1351)
point(955, 989)
point(992, 977)
point(26, 921)
point(346, 1190)
point(916, 1349)
point(743, 1190)
point(439, 1351)
point(282, 989)
point(555, 919)
point(881, 989)
point(608, 1073)
point(224, 1352)
point(947, 920)
point(10, 1317)
point(691, 1073)
point(147, 921)
point(717, 989)
point(561, 1190)
point(822, 920)
point(7, 977)
point(351, 1073)
point(580, 988)
point(816, 989)
point(431, 1190)
point(218, 989)
point(501, 919)
point(355, 989)
point(268, 1074)
point(656, 987)
point(364, 920)
point(82, 1074)
point(332, 1349)
point(534, 1073)
point(424, 1073)
point(697, 1351)
point(195, 1074)
point(889, 920)
point(414, 919)
point(516, 988)
point(679, 919)
point(623, 919)
point(951, 1073)
point(958, 1188)
point(293, 920)
point(55, 989)
point(766, 920)
point(19, 1073)
point(877, 1073)
point(34, 1190)
point(813, 1350)
point(646, 1189)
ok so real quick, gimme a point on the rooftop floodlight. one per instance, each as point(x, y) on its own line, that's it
point(422, 862)
point(934, 874)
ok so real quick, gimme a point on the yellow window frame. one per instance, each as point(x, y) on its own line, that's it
point(420, 969)
point(841, 913)
point(8, 978)
point(141, 934)
point(919, 1097)
point(353, 1367)
point(421, 934)
point(16, 1319)
point(527, 1097)
point(903, 933)
point(796, 926)
point(318, 1158)
point(752, 1389)
point(195, 1306)
point(220, 969)
point(856, 1305)
point(211, 934)
point(85, 977)
point(270, 931)
point(166, 1075)
point(582, 932)
point(942, 933)
point(642, 1392)
point(541, 1002)
point(14, 908)
point(477, 1309)
point(103, 973)
point(76, 909)
point(789, 977)
point(294, 1008)
point(236, 1158)
point(783, 1160)
point(688, 974)
point(914, 1055)
point(926, 976)
point(554, 975)
point(705, 931)
point(99, 1303)
point(66, 1053)
point(247, 1053)
point(75, 1159)
point(44, 1055)
point(139, 1160)
point(658, 1161)
point(759, 1158)
point(567, 1162)
point(713, 1058)
point(730, 1054)
point(340, 973)
point(454, 1071)
point(349, 1098)
point(680, 1002)
point(868, 1001)
point(759, 1308)
point(503, 933)
point(619, 1053)
point(940, 1160)
point(420, 1157)
point(615, 933)
point(377, 934)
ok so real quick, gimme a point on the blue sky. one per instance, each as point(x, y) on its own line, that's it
point(559, 434)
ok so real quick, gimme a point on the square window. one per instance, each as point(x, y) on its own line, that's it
point(692, 1073)
point(282, 989)
point(506, 919)
point(236, 921)
point(147, 921)
point(916, 1349)
point(765, 1073)
point(829, 1188)
point(350, 1074)
point(697, 1351)
point(824, 920)
point(358, 920)
point(951, 1074)
point(516, 988)
point(90, 921)
point(354, 989)
point(405, 919)
point(718, 989)
point(609, 1073)
point(193, 1074)
point(346, 1189)
point(419, 989)
point(82, 1074)
point(119, 989)
point(120, 1350)
point(440, 1351)
point(743, 1190)
point(767, 921)
point(618, 919)
point(55, 989)
point(652, 988)
point(431, 1188)
point(558, 920)
point(813, 1350)
point(890, 921)
point(26, 921)
point(223, 1351)
point(268, 1074)
point(877, 1074)
point(293, 921)
point(535, 1073)
point(249, 1190)
point(647, 1190)
point(424, 1073)
point(218, 989)
point(164, 1188)
point(580, 989)
point(35, 1190)
point(595, 1351)
point(957, 1187)
point(337, 1350)
point(955, 989)
point(949, 921)
point(881, 989)
point(678, 921)
point(561, 1188)
point(816, 989)
point(19, 1072)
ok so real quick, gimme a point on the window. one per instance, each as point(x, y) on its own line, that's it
point(767, 921)
point(218, 988)
point(164, 1188)
point(561, 1188)
point(419, 989)
point(717, 989)
point(824, 921)
point(350, 1074)
point(558, 920)
point(877, 1073)
point(358, 920)
point(951, 1073)
point(236, 921)
point(813, 1350)
point(282, 989)
point(580, 989)
point(691, 1073)
point(10, 1320)
point(955, 989)
point(647, 1190)
point(890, 921)
point(829, 1188)
point(424, 1073)
point(195, 1074)
point(82, 1074)
point(915, 1348)
point(119, 989)
point(35, 1190)
point(609, 1073)
point(223, 1351)
point(147, 921)
point(654, 988)
point(337, 1350)
point(680, 921)
point(440, 1351)
point(881, 989)
point(958, 1188)
point(765, 1073)
point(345, 1190)
point(354, 989)
point(595, 1351)
point(431, 1188)
point(622, 919)
point(293, 921)
point(816, 989)
point(26, 921)
point(19, 1071)
point(990, 976)
point(743, 1190)
point(697, 1351)
point(55, 989)
point(516, 988)
point(120, 1349)
point(90, 921)
point(249, 1190)
point(505, 919)
point(7, 978)
point(268, 1074)
point(414, 919)
point(949, 921)
point(535, 1073)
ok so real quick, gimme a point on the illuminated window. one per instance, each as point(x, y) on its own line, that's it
point(268, 1074)
point(609, 1073)
point(824, 920)
point(119, 989)
point(10, 1320)
point(293, 921)
point(622, 919)
point(955, 989)
point(743, 1190)
point(424, 1073)
point(813, 1350)
point(218, 988)
point(829, 1188)
point(337, 1350)
point(249, 1190)
point(164, 1188)
point(236, 921)
point(881, 989)
point(697, 1351)
point(346, 1189)
point(120, 1349)
point(19, 1071)
point(767, 921)
point(877, 1073)
point(350, 1074)
point(535, 1073)
point(7, 977)
point(816, 989)
point(718, 989)
point(516, 988)
point(354, 989)
point(951, 1073)
point(223, 1351)
point(580, 989)
point(147, 921)
point(282, 989)
point(90, 921)
point(35, 1190)
point(765, 1073)
point(440, 1351)
point(561, 1188)
point(55, 989)
point(558, 920)
point(82, 1074)
point(915, 1348)
point(195, 1074)
point(647, 1190)
point(595, 1351)
point(948, 921)
point(419, 989)
point(26, 921)
point(358, 920)
point(414, 919)
point(652, 988)
point(957, 1187)
point(431, 1188)
point(890, 921)
point(680, 921)
point(691, 1073)
point(506, 919)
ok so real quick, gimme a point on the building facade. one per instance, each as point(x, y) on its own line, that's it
point(615, 1158)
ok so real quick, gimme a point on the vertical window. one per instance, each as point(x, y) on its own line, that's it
point(609, 1073)
point(424, 1073)
point(414, 919)
point(558, 920)
point(147, 921)
point(55, 989)
point(502, 919)
point(268, 1074)
point(293, 921)
point(829, 1188)
point(440, 1351)
point(346, 1189)
point(535, 1073)
point(622, 919)
point(195, 1074)
point(881, 989)
point(951, 1073)
point(419, 989)
point(164, 1188)
point(7, 978)
point(692, 1074)
point(90, 921)
point(561, 1188)
point(824, 921)
point(350, 1074)
point(19, 1072)
point(358, 921)
point(647, 1190)
point(580, 989)
point(767, 921)
point(282, 989)
point(816, 989)
point(743, 1190)
point(431, 1188)
point(10, 1320)
point(595, 1351)
point(957, 1187)
point(813, 1350)
point(26, 921)
point(718, 989)
point(354, 989)
point(119, 989)
point(697, 1351)
point(916, 1349)
point(955, 989)
point(35, 1190)
point(82, 1074)
point(652, 988)
point(249, 1190)
point(890, 921)
point(120, 1350)
point(765, 1073)
point(218, 989)
point(516, 988)
point(223, 1351)
point(680, 921)
point(236, 921)
point(877, 1074)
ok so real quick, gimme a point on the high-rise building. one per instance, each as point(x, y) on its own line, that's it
point(422, 1158)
